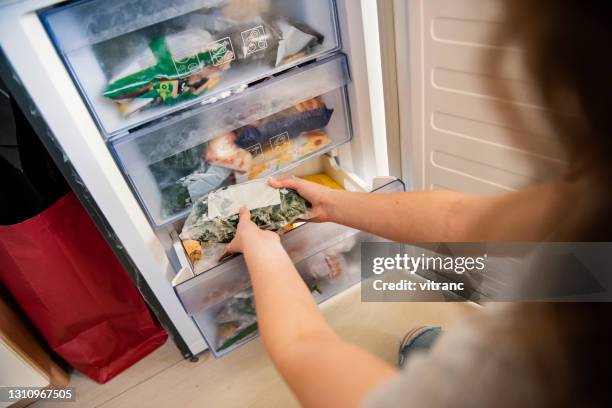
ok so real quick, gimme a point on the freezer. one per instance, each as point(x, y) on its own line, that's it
point(139, 101)
point(151, 105)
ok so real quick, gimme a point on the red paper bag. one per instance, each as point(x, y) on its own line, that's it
point(68, 281)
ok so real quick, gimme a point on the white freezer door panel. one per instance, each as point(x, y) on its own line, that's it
point(470, 118)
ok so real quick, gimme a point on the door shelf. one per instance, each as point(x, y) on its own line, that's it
point(138, 60)
point(268, 128)
point(326, 255)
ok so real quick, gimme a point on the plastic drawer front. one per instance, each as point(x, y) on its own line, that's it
point(273, 126)
point(326, 255)
point(137, 60)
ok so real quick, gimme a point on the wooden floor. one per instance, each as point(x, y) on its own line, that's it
point(245, 378)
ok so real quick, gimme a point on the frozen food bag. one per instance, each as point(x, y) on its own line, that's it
point(283, 151)
point(272, 142)
point(249, 39)
point(174, 68)
point(255, 34)
point(297, 40)
point(236, 320)
point(224, 152)
point(181, 194)
point(290, 123)
point(205, 180)
point(185, 177)
point(171, 169)
point(214, 218)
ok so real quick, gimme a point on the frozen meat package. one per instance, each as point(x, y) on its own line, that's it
point(214, 218)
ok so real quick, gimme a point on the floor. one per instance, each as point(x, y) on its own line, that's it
point(245, 378)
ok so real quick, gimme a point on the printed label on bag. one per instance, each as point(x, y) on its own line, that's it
point(280, 142)
point(254, 40)
point(222, 51)
point(187, 66)
point(255, 150)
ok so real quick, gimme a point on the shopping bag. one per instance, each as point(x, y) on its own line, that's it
point(61, 271)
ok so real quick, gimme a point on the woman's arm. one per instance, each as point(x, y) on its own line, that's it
point(441, 216)
point(321, 369)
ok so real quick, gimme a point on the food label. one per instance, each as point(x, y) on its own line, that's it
point(280, 142)
point(255, 150)
point(222, 51)
point(184, 48)
point(187, 66)
point(254, 40)
point(253, 195)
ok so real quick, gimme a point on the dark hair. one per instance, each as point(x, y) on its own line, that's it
point(566, 45)
point(566, 48)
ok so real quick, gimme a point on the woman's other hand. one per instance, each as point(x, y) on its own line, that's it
point(320, 197)
point(249, 235)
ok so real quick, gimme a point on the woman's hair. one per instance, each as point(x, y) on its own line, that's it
point(566, 48)
point(566, 44)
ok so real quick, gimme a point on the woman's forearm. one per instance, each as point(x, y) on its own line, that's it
point(286, 309)
point(447, 216)
point(401, 217)
point(305, 350)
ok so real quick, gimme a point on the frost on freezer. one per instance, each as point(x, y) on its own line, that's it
point(252, 151)
point(186, 57)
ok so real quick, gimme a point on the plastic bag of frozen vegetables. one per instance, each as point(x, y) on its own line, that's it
point(214, 218)
point(236, 320)
point(174, 68)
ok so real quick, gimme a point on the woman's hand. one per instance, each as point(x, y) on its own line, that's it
point(320, 197)
point(249, 235)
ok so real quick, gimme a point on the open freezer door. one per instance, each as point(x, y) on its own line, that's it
point(469, 118)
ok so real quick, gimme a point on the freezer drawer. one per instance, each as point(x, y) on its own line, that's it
point(327, 257)
point(298, 246)
point(231, 277)
point(270, 127)
point(232, 323)
point(137, 60)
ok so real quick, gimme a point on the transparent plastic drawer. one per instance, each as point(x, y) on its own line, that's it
point(136, 60)
point(231, 277)
point(232, 323)
point(268, 128)
point(327, 256)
